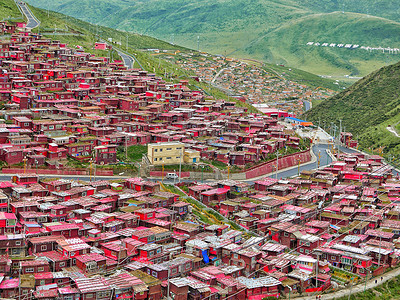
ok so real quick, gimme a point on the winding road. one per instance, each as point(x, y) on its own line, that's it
point(32, 21)
point(128, 59)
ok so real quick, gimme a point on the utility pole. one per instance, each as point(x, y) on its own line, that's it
point(319, 158)
point(198, 43)
point(277, 164)
point(126, 147)
point(25, 160)
point(180, 164)
point(298, 166)
point(90, 170)
point(316, 273)
point(168, 285)
point(340, 129)
point(380, 248)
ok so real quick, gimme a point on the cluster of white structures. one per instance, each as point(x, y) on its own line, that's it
point(355, 46)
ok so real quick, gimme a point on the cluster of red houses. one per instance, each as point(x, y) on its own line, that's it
point(344, 216)
point(7, 28)
point(128, 239)
point(64, 239)
point(62, 101)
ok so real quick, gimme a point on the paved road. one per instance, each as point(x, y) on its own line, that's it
point(307, 105)
point(32, 21)
point(128, 60)
point(317, 149)
point(217, 75)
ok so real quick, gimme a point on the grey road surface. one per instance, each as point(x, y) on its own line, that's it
point(32, 21)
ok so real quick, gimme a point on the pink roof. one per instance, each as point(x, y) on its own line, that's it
point(9, 284)
point(218, 191)
point(43, 275)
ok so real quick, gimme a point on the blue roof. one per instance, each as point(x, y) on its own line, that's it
point(295, 119)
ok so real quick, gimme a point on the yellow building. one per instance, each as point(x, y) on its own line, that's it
point(168, 153)
point(171, 153)
point(191, 156)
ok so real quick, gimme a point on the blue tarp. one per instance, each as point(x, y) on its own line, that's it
point(205, 256)
point(295, 119)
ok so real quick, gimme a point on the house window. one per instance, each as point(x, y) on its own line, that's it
point(40, 269)
point(154, 273)
point(62, 264)
point(333, 257)
point(168, 157)
point(168, 149)
point(29, 270)
point(43, 247)
point(301, 250)
point(307, 251)
point(286, 234)
point(17, 243)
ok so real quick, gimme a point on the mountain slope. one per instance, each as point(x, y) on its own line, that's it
point(9, 11)
point(367, 108)
point(275, 31)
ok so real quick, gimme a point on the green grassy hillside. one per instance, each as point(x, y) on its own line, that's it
point(367, 108)
point(9, 11)
point(275, 31)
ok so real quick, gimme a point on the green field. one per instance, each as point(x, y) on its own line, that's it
point(274, 31)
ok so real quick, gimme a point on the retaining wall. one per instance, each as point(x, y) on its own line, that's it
point(283, 163)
